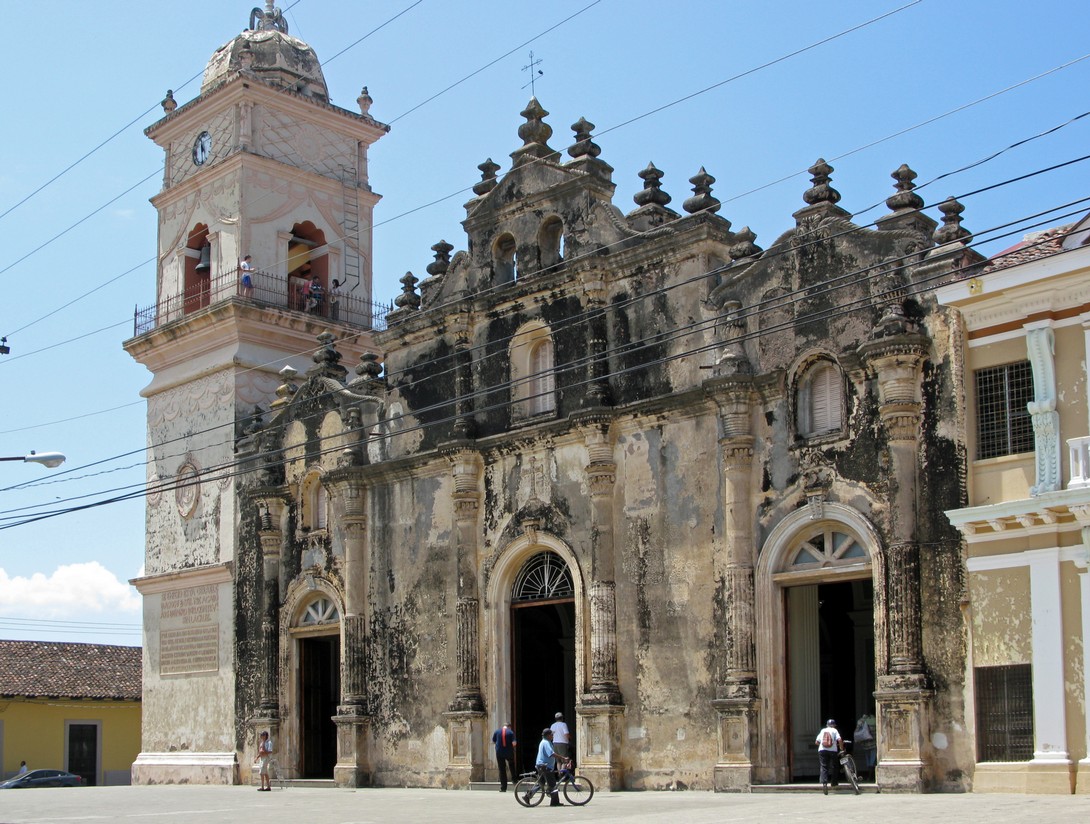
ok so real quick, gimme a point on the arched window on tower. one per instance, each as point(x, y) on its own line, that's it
point(550, 242)
point(308, 257)
point(504, 259)
point(314, 502)
point(533, 383)
point(198, 270)
point(820, 400)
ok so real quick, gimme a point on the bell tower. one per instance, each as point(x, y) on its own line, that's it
point(259, 164)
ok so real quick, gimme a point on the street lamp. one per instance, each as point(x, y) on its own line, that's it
point(48, 459)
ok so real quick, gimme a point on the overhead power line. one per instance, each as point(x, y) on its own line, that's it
point(213, 473)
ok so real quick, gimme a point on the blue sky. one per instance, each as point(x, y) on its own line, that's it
point(929, 85)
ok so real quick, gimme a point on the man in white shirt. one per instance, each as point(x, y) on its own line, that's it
point(561, 736)
point(829, 746)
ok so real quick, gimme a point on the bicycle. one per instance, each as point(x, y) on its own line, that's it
point(530, 790)
point(848, 763)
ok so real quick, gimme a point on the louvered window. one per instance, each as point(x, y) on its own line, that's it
point(542, 389)
point(1003, 422)
point(820, 400)
point(1004, 713)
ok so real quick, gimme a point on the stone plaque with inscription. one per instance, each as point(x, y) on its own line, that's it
point(189, 631)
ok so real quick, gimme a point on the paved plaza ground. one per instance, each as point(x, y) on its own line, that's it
point(211, 805)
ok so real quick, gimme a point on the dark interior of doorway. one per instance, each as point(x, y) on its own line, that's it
point(845, 655)
point(543, 666)
point(320, 689)
point(83, 752)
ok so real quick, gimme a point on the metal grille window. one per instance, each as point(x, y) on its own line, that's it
point(1003, 422)
point(544, 578)
point(1004, 713)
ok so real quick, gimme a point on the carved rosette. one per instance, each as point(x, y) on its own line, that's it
point(601, 478)
point(901, 420)
point(603, 630)
point(466, 505)
point(737, 454)
point(468, 697)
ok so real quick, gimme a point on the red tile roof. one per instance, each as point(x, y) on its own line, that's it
point(47, 669)
point(1033, 246)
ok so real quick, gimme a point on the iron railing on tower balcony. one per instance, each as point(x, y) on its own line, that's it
point(267, 290)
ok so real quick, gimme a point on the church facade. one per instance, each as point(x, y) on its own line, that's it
point(626, 466)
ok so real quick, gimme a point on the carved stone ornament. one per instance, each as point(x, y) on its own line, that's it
point(187, 490)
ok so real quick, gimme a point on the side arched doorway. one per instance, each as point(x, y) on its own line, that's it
point(817, 657)
point(317, 642)
point(542, 649)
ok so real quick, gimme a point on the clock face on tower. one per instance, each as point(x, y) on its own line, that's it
point(202, 148)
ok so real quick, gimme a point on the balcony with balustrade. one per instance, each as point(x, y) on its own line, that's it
point(268, 290)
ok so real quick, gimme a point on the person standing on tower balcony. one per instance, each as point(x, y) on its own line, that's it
point(335, 300)
point(246, 279)
point(314, 296)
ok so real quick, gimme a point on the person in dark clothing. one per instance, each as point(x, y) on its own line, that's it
point(504, 739)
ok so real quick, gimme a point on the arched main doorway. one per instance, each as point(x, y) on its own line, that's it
point(816, 607)
point(542, 649)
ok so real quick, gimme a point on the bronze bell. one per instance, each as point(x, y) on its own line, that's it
point(205, 263)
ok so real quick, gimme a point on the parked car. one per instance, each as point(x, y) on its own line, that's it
point(42, 778)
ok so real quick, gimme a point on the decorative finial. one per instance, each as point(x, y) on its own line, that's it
point(488, 178)
point(652, 188)
point(535, 134)
point(535, 73)
point(286, 389)
point(408, 299)
point(168, 103)
point(364, 100)
point(583, 146)
point(369, 366)
point(951, 229)
point(702, 200)
point(441, 263)
point(327, 359)
point(744, 247)
point(820, 191)
point(272, 19)
point(904, 198)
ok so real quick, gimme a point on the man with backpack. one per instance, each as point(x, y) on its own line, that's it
point(829, 746)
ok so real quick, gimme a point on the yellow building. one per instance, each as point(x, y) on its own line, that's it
point(74, 707)
point(1026, 522)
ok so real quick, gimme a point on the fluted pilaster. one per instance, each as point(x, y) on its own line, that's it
point(465, 504)
point(903, 587)
point(354, 684)
point(604, 688)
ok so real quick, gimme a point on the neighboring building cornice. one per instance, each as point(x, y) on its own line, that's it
point(198, 576)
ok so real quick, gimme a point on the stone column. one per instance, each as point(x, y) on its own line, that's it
point(465, 426)
point(270, 507)
point(594, 302)
point(736, 693)
point(600, 712)
point(465, 714)
point(349, 496)
point(904, 694)
point(271, 510)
